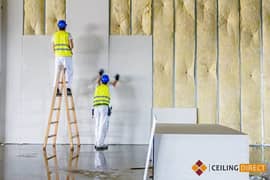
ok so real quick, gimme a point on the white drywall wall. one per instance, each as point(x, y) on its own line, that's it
point(2, 74)
point(131, 57)
point(176, 115)
point(30, 69)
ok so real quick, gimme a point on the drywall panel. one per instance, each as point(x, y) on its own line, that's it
point(55, 10)
point(184, 53)
point(229, 71)
point(120, 17)
point(163, 53)
point(34, 17)
point(131, 57)
point(175, 115)
point(2, 74)
point(141, 17)
point(30, 71)
point(13, 68)
point(266, 69)
point(36, 90)
point(206, 61)
point(250, 69)
point(89, 26)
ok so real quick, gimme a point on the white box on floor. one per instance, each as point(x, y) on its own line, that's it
point(217, 150)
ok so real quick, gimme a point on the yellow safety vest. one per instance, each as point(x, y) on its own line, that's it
point(102, 95)
point(61, 44)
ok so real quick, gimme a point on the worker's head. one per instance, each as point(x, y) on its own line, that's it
point(105, 79)
point(62, 24)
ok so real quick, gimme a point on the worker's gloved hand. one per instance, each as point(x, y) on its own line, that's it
point(101, 71)
point(117, 77)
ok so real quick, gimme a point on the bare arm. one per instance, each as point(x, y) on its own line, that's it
point(100, 73)
point(117, 77)
point(98, 81)
point(71, 44)
point(114, 83)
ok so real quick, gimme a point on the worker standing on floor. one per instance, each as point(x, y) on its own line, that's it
point(102, 109)
point(62, 47)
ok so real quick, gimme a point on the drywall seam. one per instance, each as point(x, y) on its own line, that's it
point(250, 60)
point(262, 74)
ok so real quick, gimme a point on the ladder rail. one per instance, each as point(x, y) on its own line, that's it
point(47, 167)
point(67, 112)
point(56, 108)
point(75, 122)
point(51, 114)
point(58, 112)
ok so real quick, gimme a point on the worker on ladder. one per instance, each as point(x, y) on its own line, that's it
point(62, 47)
point(101, 108)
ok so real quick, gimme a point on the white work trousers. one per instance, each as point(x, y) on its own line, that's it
point(102, 124)
point(64, 62)
point(100, 161)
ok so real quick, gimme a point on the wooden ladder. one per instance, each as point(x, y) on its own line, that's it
point(52, 168)
point(55, 112)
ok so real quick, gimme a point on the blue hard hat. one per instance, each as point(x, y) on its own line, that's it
point(62, 24)
point(105, 79)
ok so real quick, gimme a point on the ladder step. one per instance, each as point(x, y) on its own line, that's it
point(74, 122)
point(77, 135)
point(56, 109)
point(51, 157)
point(75, 157)
point(54, 122)
point(61, 82)
point(72, 109)
point(52, 136)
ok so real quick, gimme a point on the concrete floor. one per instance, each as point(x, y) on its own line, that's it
point(120, 162)
point(30, 162)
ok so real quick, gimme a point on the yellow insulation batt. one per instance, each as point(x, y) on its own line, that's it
point(163, 53)
point(55, 11)
point(255, 154)
point(266, 151)
point(206, 61)
point(250, 69)
point(120, 17)
point(266, 68)
point(184, 53)
point(141, 17)
point(34, 17)
point(229, 77)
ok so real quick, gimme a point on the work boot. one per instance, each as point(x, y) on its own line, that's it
point(69, 92)
point(101, 148)
point(58, 93)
